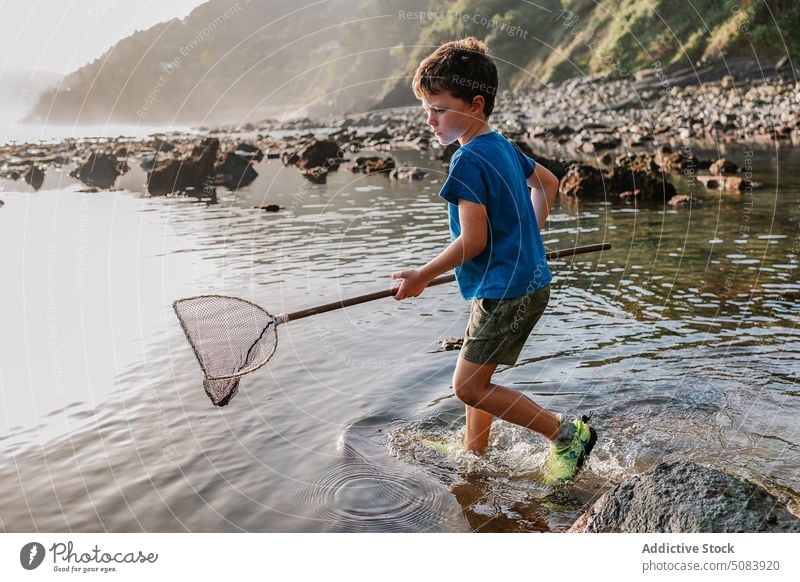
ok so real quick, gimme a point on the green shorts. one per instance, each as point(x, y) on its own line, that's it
point(498, 328)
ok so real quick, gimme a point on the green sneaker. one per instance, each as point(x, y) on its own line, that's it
point(563, 463)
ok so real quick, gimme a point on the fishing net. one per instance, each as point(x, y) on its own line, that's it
point(231, 337)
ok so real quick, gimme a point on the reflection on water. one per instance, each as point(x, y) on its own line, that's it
point(681, 341)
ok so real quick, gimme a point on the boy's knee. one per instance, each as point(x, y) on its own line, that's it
point(468, 393)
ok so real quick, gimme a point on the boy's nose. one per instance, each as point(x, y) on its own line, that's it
point(431, 119)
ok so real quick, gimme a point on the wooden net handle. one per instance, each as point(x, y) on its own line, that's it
point(438, 281)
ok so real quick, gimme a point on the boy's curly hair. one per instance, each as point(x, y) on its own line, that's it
point(461, 67)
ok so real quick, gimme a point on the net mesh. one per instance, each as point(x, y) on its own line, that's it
point(231, 337)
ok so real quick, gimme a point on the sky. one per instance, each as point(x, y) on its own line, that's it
point(59, 36)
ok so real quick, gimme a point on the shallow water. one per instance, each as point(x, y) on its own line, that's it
point(681, 341)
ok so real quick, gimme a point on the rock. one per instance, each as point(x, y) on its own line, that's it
point(630, 195)
point(638, 140)
point(638, 163)
point(685, 201)
point(248, 152)
point(557, 132)
point(58, 159)
point(712, 182)
point(299, 123)
point(728, 183)
point(678, 161)
point(316, 154)
point(194, 173)
point(332, 164)
point(290, 158)
point(161, 146)
point(451, 343)
point(238, 172)
point(35, 176)
point(583, 181)
point(633, 178)
point(148, 161)
point(683, 497)
point(409, 174)
point(647, 186)
point(381, 134)
point(99, 170)
point(723, 166)
point(642, 175)
point(603, 142)
point(373, 165)
point(316, 175)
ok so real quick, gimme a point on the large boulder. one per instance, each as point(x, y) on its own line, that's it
point(644, 162)
point(317, 154)
point(235, 171)
point(100, 170)
point(194, 173)
point(35, 176)
point(673, 162)
point(684, 497)
point(632, 178)
point(316, 175)
point(161, 145)
point(583, 181)
point(650, 186)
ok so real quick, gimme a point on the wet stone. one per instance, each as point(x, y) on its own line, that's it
point(684, 497)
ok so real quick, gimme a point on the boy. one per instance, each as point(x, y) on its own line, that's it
point(496, 250)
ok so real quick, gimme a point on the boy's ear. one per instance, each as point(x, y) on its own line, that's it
point(477, 104)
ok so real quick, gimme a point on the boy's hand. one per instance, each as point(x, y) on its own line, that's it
point(414, 283)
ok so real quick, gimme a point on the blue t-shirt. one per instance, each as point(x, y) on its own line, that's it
point(492, 171)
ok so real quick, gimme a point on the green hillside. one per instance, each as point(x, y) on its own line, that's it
point(238, 61)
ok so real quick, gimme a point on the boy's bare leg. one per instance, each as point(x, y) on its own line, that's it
point(473, 386)
point(478, 425)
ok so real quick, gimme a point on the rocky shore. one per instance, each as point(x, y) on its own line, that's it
point(617, 140)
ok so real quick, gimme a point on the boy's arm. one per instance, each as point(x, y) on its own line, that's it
point(470, 243)
point(544, 187)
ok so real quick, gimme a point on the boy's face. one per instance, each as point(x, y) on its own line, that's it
point(450, 117)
